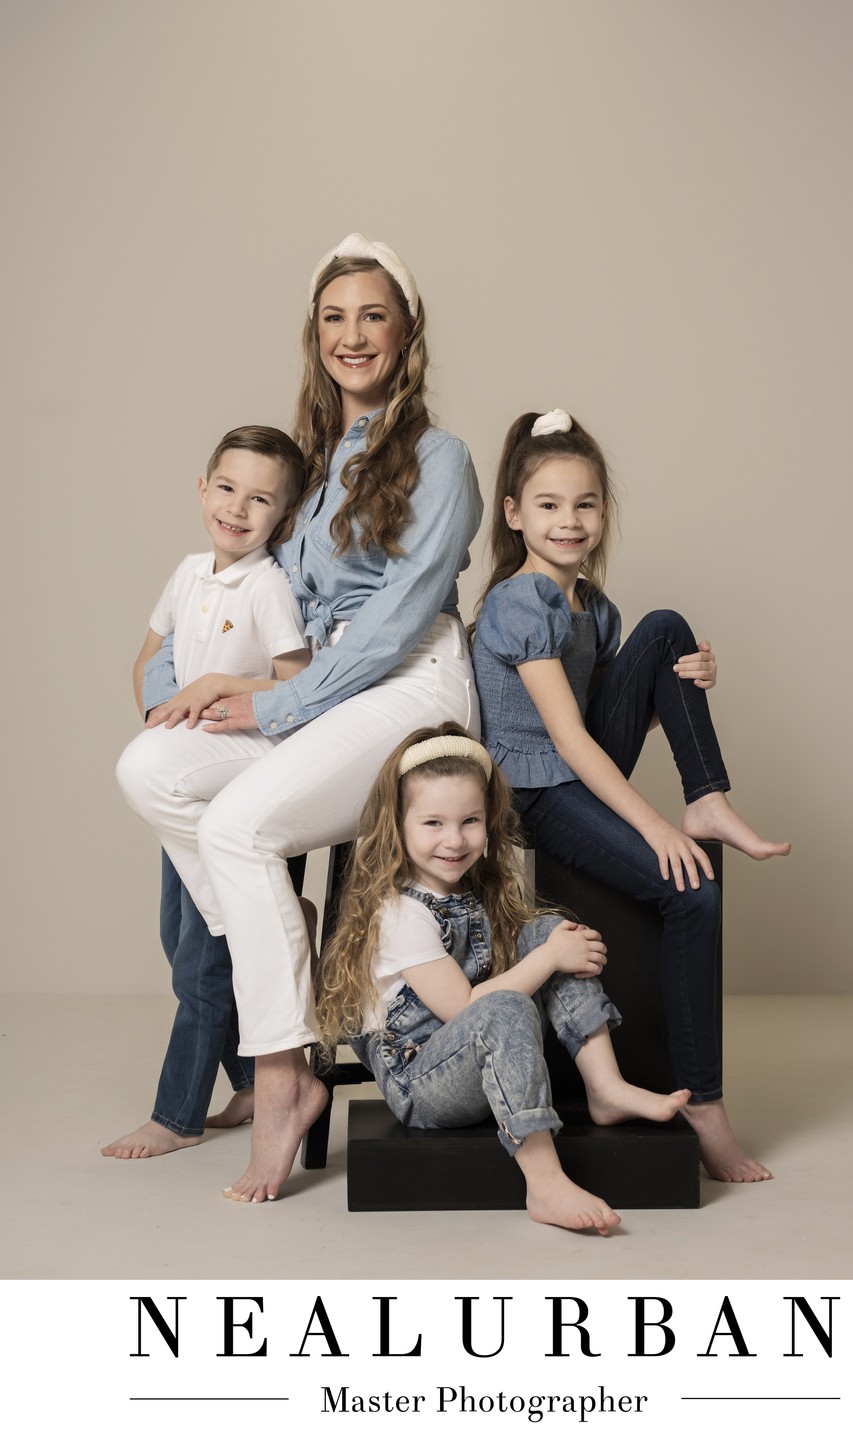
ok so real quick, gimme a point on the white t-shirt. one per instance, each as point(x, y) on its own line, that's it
point(233, 622)
point(409, 936)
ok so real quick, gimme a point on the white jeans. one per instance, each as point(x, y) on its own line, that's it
point(306, 791)
point(169, 776)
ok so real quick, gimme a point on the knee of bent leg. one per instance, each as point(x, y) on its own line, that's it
point(666, 623)
point(536, 932)
point(136, 775)
point(706, 899)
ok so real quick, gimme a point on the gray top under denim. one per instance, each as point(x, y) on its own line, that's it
point(523, 619)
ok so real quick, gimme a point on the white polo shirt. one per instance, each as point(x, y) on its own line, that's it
point(232, 622)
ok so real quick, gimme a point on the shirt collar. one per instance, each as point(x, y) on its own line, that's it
point(235, 572)
point(361, 423)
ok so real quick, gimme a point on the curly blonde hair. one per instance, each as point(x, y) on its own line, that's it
point(379, 480)
point(379, 868)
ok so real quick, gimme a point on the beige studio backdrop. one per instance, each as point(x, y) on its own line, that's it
point(631, 208)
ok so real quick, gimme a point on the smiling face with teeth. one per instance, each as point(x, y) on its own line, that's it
point(361, 333)
point(243, 501)
point(444, 829)
point(560, 514)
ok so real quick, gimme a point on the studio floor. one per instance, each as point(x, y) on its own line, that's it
point(81, 1070)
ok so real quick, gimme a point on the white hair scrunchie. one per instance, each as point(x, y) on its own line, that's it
point(555, 421)
point(447, 745)
point(355, 246)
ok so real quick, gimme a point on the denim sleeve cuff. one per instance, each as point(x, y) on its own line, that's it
point(158, 684)
point(278, 710)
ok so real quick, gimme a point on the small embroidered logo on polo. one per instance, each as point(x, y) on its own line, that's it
point(227, 626)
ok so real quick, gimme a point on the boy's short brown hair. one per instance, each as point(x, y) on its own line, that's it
point(274, 443)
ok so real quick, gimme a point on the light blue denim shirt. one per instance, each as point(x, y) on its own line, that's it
point(389, 602)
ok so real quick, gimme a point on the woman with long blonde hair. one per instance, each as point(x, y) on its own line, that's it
point(372, 553)
point(440, 975)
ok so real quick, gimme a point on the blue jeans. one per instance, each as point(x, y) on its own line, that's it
point(205, 1031)
point(571, 824)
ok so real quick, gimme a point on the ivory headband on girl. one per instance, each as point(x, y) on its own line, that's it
point(447, 746)
point(355, 246)
point(556, 421)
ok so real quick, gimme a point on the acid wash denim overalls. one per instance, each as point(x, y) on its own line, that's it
point(489, 1056)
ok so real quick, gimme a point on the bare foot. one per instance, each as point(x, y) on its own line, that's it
point(722, 1154)
point(712, 819)
point(557, 1201)
point(289, 1100)
point(619, 1101)
point(239, 1109)
point(152, 1139)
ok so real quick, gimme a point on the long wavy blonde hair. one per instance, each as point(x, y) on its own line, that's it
point(379, 868)
point(379, 480)
point(522, 455)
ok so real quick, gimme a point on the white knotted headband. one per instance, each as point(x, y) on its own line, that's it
point(355, 246)
point(448, 745)
point(555, 421)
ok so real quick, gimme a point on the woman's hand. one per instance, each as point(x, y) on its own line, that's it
point(571, 947)
point(699, 668)
point(240, 715)
point(678, 855)
point(189, 703)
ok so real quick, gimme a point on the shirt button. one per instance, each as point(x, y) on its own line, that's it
point(433, 660)
point(347, 444)
point(293, 568)
point(204, 608)
point(290, 717)
point(273, 724)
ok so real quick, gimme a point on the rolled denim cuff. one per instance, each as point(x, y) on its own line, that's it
point(574, 1028)
point(158, 683)
point(513, 1132)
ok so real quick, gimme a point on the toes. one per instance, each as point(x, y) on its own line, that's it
point(249, 1192)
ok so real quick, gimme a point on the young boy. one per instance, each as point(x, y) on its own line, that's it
point(237, 628)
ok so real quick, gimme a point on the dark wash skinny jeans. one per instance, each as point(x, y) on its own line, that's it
point(572, 825)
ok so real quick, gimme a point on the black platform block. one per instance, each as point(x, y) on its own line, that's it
point(632, 933)
point(391, 1167)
